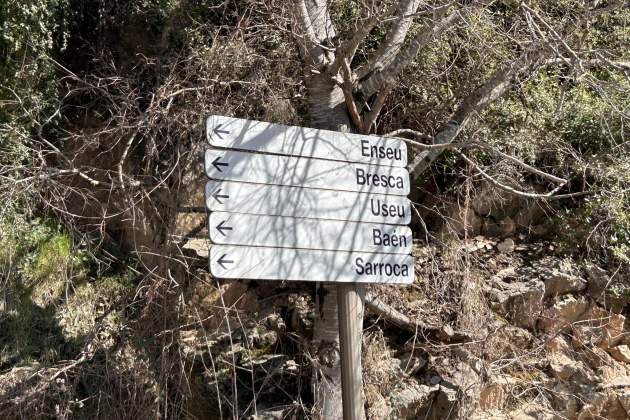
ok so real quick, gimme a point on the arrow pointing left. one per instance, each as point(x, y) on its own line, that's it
point(222, 261)
point(220, 227)
point(218, 131)
point(218, 164)
point(217, 196)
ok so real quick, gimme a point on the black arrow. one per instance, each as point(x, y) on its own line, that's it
point(218, 164)
point(219, 132)
point(216, 196)
point(222, 262)
point(221, 228)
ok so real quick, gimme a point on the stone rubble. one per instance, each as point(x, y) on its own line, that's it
point(558, 347)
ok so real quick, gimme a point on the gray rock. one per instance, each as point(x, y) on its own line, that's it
point(520, 302)
point(613, 294)
point(506, 245)
point(561, 284)
point(411, 401)
point(412, 363)
point(597, 280)
point(275, 322)
point(531, 215)
point(560, 316)
point(498, 229)
point(604, 405)
point(620, 353)
point(266, 339)
point(267, 361)
point(446, 403)
point(560, 276)
point(565, 368)
point(270, 414)
point(435, 379)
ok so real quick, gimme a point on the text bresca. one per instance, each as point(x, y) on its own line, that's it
point(382, 180)
point(380, 152)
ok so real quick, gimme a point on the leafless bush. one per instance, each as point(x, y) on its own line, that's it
point(124, 154)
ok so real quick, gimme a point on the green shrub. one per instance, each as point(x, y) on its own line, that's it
point(29, 34)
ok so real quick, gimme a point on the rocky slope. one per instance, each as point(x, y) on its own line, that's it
point(493, 328)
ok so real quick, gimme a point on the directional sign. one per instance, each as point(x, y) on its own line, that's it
point(274, 200)
point(235, 133)
point(309, 173)
point(291, 232)
point(256, 263)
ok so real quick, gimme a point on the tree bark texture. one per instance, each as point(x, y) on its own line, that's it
point(327, 107)
point(327, 111)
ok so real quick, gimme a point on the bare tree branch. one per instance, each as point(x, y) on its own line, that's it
point(319, 16)
point(472, 145)
point(614, 5)
point(623, 66)
point(443, 333)
point(377, 77)
point(422, 146)
point(408, 131)
point(347, 87)
point(509, 189)
point(500, 82)
point(576, 60)
point(476, 101)
point(369, 118)
point(524, 165)
point(309, 43)
point(348, 48)
point(395, 37)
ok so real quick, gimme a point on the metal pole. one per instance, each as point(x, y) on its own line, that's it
point(350, 300)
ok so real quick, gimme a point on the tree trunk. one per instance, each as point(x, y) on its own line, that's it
point(328, 111)
point(325, 346)
point(327, 106)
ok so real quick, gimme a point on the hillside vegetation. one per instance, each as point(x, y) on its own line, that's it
point(521, 218)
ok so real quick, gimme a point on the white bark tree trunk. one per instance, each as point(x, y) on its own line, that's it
point(327, 111)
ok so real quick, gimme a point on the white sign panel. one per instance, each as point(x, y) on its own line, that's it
point(291, 232)
point(309, 173)
point(254, 263)
point(274, 200)
point(300, 141)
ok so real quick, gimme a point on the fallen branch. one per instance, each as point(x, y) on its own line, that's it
point(442, 333)
point(493, 181)
point(414, 133)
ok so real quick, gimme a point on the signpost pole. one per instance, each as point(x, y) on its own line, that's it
point(350, 301)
